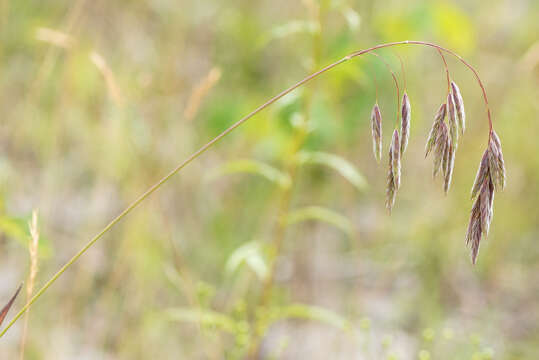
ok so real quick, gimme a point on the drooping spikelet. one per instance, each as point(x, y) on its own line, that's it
point(474, 232)
point(452, 121)
point(490, 177)
point(487, 197)
point(496, 162)
point(396, 159)
point(482, 173)
point(440, 147)
point(459, 106)
point(376, 122)
point(445, 156)
point(480, 217)
point(449, 167)
point(391, 191)
point(406, 113)
point(434, 131)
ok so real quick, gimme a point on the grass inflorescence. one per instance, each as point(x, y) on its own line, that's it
point(442, 141)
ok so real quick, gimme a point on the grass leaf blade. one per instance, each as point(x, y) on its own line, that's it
point(6, 308)
point(337, 163)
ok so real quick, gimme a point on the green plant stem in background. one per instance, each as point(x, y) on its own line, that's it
point(317, 13)
point(212, 142)
point(280, 232)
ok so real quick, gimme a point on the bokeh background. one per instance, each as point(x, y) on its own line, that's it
point(99, 99)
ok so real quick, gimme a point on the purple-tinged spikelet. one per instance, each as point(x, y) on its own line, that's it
point(396, 158)
point(490, 177)
point(449, 167)
point(440, 148)
point(452, 121)
point(486, 196)
point(376, 122)
point(391, 191)
point(445, 156)
point(434, 131)
point(480, 217)
point(496, 162)
point(482, 172)
point(406, 113)
point(474, 233)
point(459, 106)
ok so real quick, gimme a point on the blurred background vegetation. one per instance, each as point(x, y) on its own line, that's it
point(276, 243)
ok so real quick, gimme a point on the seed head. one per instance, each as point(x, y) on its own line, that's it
point(473, 235)
point(434, 131)
point(496, 162)
point(449, 167)
point(490, 177)
point(486, 196)
point(480, 218)
point(391, 191)
point(376, 122)
point(440, 148)
point(406, 114)
point(452, 121)
point(445, 156)
point(459, 106)
point(482, 173)
point(396, 159)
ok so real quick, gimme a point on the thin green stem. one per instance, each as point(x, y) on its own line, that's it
point(403, 73)
point(212, 142)
point(286, 196)
point(446, 71)
point(396, 85)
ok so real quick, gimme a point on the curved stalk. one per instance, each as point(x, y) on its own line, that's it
point(396, 86)
point(212, 142)
point(403, 73)
point(446, 71)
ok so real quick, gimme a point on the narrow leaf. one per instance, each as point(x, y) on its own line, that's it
point(337, 163)
point(321, 214)
point(253, 167)
point(250, 254)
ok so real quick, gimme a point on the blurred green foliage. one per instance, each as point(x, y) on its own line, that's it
point(94, 97)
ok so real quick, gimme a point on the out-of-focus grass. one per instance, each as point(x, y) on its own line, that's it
point(78, 151)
